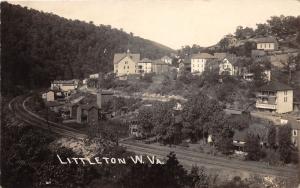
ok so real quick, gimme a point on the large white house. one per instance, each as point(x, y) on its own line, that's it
point(126, 63)
point(275, 97)
point(198, 62)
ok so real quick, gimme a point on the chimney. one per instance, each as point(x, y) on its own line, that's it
point(99, 98)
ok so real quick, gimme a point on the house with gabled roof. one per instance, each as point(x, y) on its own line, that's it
point(275, 97)
point(126, 63)
point(229, 65)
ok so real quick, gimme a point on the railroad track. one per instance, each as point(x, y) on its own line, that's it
point(187, 158)
point(17, 106)
point(190, 158)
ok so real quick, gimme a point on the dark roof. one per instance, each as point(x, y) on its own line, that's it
point(64, 82)
point(275, 86)
point(146, 60)
point(232, 59)
point(202, 56)
point(220, 55)
point(119, 56)
point(266, 40)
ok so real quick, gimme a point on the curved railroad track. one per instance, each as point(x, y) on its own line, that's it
point(18, 107)
point(186, 157)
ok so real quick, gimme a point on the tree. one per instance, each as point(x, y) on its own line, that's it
point(285, 143)
point(252, 147)
point(243, 33)
point(40, 47)
point(272, 136)
point(170, 175)
point(259, 76)
point(198, 177)
point(53, 173)
point(163, 118)
point(224, 43)
point(186, 77)
point(198, 111)
point(145, 119)
point(176, 171)
point(239, 122)
point(224, 140)
point(236, 182)
point(263, 30)
point(282, 26)
point(148, 77)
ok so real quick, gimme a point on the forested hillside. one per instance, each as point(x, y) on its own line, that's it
point(38, 47)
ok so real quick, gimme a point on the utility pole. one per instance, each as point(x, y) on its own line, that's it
point(47, 118)
point(292, 67)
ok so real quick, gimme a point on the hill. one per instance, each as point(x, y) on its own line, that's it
point(38, 47)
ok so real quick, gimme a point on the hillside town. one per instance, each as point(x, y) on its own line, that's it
point(265, 120)
point(83, 104)
point(88, 103)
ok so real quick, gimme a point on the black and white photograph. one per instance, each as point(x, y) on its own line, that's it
point(150, 94)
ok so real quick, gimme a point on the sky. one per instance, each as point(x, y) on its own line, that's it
point(173, 23)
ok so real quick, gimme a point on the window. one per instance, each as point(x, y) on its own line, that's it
point(294, 132)
point(285, 92)
point(124, 67)
point(285, 99)
point(127, 67)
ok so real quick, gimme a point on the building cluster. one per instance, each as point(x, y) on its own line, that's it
point(72, 106)
point(273, 97)
point(60, 89)
point(126, 64)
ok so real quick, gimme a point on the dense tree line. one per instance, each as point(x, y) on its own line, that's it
point(279, 26)
point(38, 47)
point(28, 161)
point(200, 117)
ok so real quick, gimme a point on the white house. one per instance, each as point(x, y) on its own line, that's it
point(198, 62)
point(275, 97)
point(94, 75)
point(227, 66)
point(267, 44)
point(166, 59)
point(65, 85)
point(126, 63)
point(49, 96)
point(248, 76)
point(145, 66)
